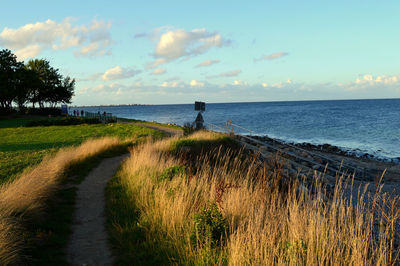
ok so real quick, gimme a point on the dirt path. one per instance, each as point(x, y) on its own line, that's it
point(88, 244)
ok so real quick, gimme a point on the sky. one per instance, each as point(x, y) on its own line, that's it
point(170, 52)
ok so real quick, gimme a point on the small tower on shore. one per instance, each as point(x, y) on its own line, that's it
point(201, 107)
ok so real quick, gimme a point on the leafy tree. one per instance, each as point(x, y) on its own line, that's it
point(27, 82)
point(53, 88)
point(9, 66)
point(37, 82)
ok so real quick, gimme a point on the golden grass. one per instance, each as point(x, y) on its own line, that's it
point(268, 225)
point(26, 195)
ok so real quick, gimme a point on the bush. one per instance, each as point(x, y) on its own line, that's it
point(54, 111)
point(65, 121)
point(210, 227)
point(172, 171)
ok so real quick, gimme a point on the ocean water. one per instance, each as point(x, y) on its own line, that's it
point(360, 126)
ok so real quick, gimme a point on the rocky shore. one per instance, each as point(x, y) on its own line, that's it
point(366, 167)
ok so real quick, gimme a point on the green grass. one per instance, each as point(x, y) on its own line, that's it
point(130, 243)
point(19, 122)
point(147, 122)
point(23, 147)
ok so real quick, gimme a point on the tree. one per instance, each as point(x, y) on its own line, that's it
point(9, 66)
point(45, 73)
point(27, 82)
point(36, 82)
point(65, 91)
point(53, 88)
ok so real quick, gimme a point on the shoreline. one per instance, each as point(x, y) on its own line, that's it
point(331, 148)
point(373, 167)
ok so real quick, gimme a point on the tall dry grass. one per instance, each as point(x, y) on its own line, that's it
point(26, 196)
point(268, 224)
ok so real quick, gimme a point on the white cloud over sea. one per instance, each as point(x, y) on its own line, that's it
point(119, 72)
point(173, 44)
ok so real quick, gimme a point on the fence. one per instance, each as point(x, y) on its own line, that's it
point(105, 117)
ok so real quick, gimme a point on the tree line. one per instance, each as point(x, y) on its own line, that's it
point(36, 83)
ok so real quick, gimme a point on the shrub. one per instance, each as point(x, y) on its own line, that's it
point(295, 251)
point(210, 227)
point(65, 121)
point(55, 111)
point(172, 171)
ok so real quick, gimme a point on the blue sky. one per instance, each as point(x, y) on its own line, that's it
point(152, 52)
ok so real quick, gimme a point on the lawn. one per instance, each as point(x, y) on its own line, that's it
point(22, 147)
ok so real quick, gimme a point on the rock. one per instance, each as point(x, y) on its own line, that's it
point(315, 167)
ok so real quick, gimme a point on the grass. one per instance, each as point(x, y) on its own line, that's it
point(22, 147)
point(49, 236)
point(271, 220)
point(35, 209)
point(147, 122)
point(20, 121)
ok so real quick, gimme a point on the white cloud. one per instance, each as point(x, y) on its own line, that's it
point(208, 63)
point(28, 52)
point(155, 63)
point(31, 39)
point(240, 83)
point(171, 84)
point(232, 73)
point(158, 71)
point(98, 88)
point(175, 44)
point(272, 56)
point(195, 83)
point(119, 73)
point(369, 81)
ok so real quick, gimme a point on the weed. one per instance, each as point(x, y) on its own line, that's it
point(210, 227)
point(171, 172)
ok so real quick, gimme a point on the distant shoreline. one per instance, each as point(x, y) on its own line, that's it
point(110, 105)
point(277, 101)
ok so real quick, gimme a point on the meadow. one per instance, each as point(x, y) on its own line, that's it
point(40, 167)
point(23, 147)
point(201, 200)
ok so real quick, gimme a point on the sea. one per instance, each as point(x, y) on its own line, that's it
point(361, 127)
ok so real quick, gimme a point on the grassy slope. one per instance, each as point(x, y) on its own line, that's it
point(22, 147)
point(270, 221)
point(150, 123)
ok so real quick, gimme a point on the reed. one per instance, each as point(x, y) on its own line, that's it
point(270, 218)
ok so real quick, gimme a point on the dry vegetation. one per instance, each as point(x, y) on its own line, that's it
point(24, 198)
point(266, 219)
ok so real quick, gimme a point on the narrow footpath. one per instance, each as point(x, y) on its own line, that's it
point(88, 244)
